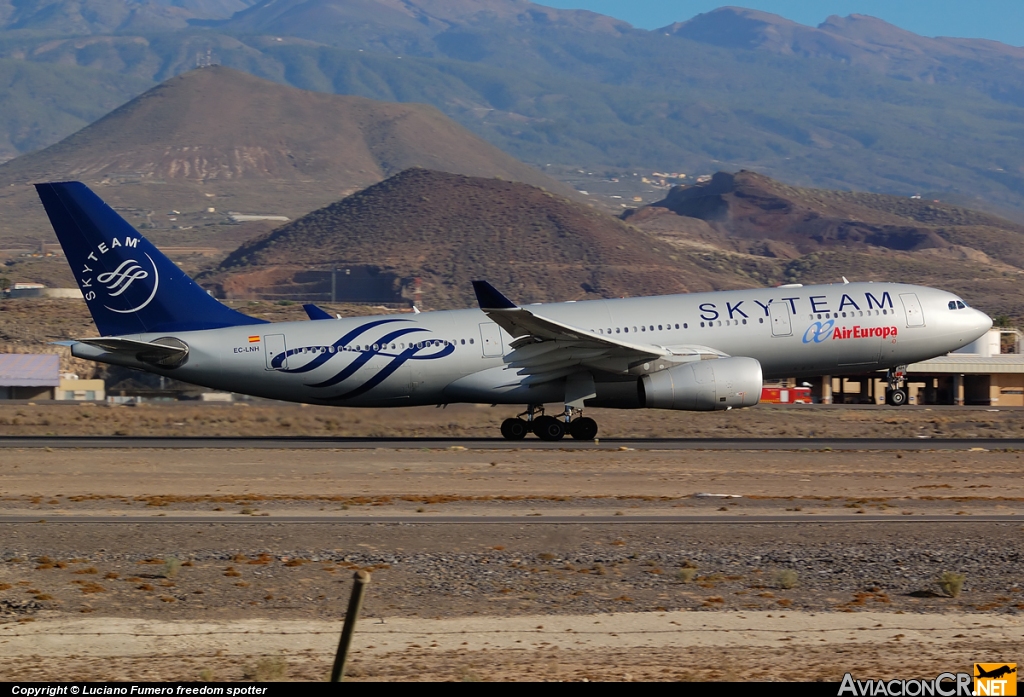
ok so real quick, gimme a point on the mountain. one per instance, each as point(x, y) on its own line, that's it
point(86, 17)
point(787, 234)
point(218, 137)
point(869, 43)
point(407, 26)
point(854, 103)
point(442, 231)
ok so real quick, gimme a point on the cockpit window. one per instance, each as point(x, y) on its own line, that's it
point(952, 304)
point(960, 305)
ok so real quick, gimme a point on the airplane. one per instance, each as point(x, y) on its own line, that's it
point(696, 351)
point(995, 672)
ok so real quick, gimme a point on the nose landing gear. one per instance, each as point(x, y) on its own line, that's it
point(548, 427)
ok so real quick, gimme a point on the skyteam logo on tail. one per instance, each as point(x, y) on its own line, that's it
point(115, 283)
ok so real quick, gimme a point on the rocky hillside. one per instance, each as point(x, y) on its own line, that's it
point(448, 230)
point(220, 138)
point(790, 234)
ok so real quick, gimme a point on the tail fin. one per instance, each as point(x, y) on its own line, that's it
point(129, 286)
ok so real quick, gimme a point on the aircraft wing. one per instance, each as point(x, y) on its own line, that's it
point(545, 349)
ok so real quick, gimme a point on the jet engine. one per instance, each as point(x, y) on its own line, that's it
point(723, 383)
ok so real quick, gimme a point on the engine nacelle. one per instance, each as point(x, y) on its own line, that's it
point(723, 383)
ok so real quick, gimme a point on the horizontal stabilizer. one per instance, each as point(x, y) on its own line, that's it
point(167, 352)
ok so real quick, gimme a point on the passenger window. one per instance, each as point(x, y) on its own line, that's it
point(760, 320)
point(659, 327)
point(471, 341)
point(463, 342)
point(744, 321)
point(685, 326)
point(652, 327)
point(643, 329)
point(701, 324)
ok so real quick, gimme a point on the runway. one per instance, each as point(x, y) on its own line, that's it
point(341, 443)
point(728, 519)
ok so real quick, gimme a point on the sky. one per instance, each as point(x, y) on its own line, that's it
point(999, 20)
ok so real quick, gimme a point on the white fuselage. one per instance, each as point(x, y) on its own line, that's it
point(458, 356)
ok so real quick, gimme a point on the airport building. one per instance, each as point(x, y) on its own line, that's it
point(38, 376)
point(989, 372)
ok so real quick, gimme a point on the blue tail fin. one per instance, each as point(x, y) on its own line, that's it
point(129, 286)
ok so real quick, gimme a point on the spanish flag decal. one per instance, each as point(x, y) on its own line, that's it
point(254, 340)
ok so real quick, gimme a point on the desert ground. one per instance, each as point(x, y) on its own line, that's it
point(230, 564)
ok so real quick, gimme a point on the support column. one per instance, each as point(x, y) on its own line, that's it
point(826, 389)
point(958, 390)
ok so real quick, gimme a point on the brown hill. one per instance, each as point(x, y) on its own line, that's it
point(448, 230)
point(792, 234)
point(220, 138)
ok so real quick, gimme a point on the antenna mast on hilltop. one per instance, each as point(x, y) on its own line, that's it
point(204, 62)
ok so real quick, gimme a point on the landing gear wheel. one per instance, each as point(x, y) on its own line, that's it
point(897, 398)
point(514, 429)
point(548, 428)
point(583, 428)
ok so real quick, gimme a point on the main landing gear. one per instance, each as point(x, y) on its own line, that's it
point(896, 392)
point(548, 427)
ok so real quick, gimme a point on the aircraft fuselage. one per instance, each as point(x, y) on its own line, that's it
point(458, 356)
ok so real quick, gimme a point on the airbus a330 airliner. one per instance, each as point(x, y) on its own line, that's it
point(698, 351)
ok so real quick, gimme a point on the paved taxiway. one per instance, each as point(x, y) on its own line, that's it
point(300, 443)
point(162, 519)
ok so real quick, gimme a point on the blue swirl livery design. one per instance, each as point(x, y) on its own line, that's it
point(386, 347)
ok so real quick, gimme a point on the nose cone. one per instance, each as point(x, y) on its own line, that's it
point(982, 323)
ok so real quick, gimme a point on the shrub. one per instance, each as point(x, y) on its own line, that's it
point(267, 669)
point(951, 583)
point(172, 565)
point(785, 578)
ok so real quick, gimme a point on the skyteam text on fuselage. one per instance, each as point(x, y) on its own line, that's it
point(699, 351)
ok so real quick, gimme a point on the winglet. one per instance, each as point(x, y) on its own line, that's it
point(314, 312)
point(489, 298)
